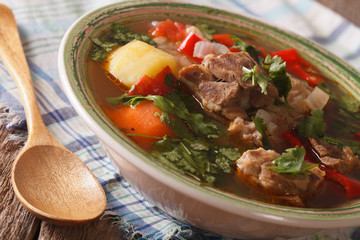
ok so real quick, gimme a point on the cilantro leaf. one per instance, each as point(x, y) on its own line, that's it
point(205, 29)
point(245, 47)
point(117, 35)
point(277, 72)
point(292, 162)
point(172, 105)
point(349, 103)
point(191, 152)
point(312, 126)
point(354, 145)
point(200, 159)
point(256, 78)
point(261, 128)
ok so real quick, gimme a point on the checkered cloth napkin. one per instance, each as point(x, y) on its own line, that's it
point(42, 23)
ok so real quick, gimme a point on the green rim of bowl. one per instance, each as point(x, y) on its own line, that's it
point(72, 60)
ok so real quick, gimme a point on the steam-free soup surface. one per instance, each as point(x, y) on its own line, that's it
point(227, 111)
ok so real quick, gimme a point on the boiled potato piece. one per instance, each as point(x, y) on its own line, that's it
point(134, 60)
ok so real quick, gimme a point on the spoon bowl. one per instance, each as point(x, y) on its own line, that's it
point(63, 200)
point(48, 179)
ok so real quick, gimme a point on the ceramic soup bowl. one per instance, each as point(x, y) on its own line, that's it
point(178, 195)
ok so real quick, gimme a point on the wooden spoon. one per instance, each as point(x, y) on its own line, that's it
point(49, 180)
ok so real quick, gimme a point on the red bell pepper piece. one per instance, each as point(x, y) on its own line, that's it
point(224, 39)
point(234, 50)
point(154, 86)
point(299, 67)
point(174, 31)
point(351, 186)
point(187, 46)
point(289, 136)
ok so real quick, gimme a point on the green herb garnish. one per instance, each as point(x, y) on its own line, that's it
point(277, 72)
point(206, 30)
point(312, 126)
point(200, 159)
point(172, 105)
point(192, 152)
point(354, 145)
point(261, 128)
point(256, 78)
point(118, 35)
point(292, 162)
point(245, 47)
point(349, 103)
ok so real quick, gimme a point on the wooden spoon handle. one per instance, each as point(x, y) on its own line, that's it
point(12, 55)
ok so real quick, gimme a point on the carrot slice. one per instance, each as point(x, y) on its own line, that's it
point(139, 122)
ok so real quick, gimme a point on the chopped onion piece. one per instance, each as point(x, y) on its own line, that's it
point(203, 48)
point(317, 99)
point(155, 23)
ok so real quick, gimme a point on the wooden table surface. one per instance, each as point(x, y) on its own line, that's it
point(17, 223)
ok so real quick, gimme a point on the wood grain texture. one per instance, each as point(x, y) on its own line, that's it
point(48, 179)
point(349, 9)
point(15, 221)
point(100, 229)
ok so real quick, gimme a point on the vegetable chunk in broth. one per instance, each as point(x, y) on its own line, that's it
point(230, 112)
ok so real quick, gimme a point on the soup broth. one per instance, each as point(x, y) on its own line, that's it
point(339, 114)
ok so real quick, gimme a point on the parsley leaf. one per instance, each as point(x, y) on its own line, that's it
point(256, 78)
point(277, 72)
point(261, 128)
point(117, 35)
point(312, 126)
point(292, 162)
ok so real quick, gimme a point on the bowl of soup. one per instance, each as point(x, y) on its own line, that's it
point(221, 120)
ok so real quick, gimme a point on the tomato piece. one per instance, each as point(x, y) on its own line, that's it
point(299, 67)
point(154, 86)
point(139, 122)
point(224, 39)
point(174, 31)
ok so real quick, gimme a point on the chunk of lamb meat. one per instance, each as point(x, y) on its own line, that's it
point(228, 67)
point(281, 118)
point(246, 130)
point(341, 160)
point(217, 84)
point(225, 72)
point(214, 96)
point(252, 169)
point(222, 100)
